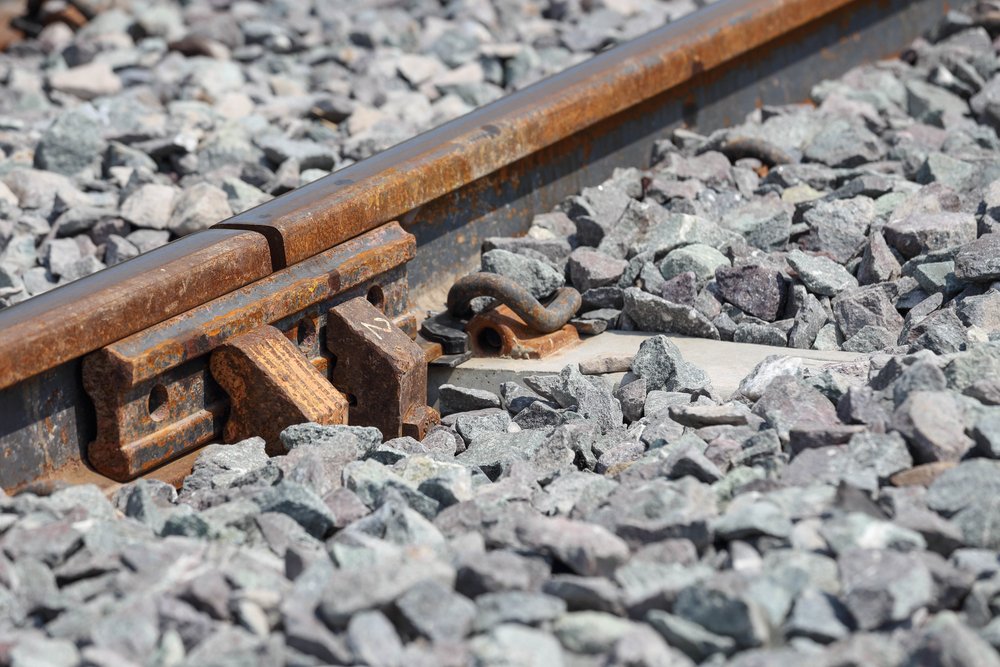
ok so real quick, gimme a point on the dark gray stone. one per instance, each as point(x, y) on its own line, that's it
point(883, 587)
point(841, 143)
point(854, 309)
point(757, 290)
point(933, 424)
point(437, 613)
point(590, 269)
point(921, 233)
point(585, 548)
point(979, 261)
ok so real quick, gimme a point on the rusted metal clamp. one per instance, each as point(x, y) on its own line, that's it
point(521, 327)
point(543, 319)
point(252, 361)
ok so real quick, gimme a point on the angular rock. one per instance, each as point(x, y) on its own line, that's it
point(921, 233)
point(651, 313)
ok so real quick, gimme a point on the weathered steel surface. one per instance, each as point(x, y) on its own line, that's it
point(487, 172)
point(153, 395)
point(271, 385)
point(501, 333)
point(383, 372)
point(55, 327)
point(542, 319)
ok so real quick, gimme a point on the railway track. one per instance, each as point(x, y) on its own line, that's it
point(109, 377)
point(803, 195)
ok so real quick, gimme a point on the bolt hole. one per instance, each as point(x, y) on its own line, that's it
point(490, 341)
point(376, 297)
point(158, 403)
point(305, 333)
point(352, 400)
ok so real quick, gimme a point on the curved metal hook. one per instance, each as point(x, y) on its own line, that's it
point(544, 319)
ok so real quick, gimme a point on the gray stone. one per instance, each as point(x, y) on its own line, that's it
point(375, 585)
point(308, 154)
point(695, 641)
point(373, 640)
point(885, 453)
point(536, 276)
point(764, 222)
point(921, 233)
point(591, 632)
point(722, 606)
point(699, 259)
point(969, 494)
point(512, 644)
point(590, 269)
point(198, 207)
point(746, 518)
point(588, 396)
point(878, 264)
point(818, 616)
point(299, 503)
point(870, 338)
point(665, 230)
point(936, 277)
point(789, 403)
point(526, 608)
point(498, 570)
point(979, 261)
point(432, 611)
point(933, 105)
point(585, 593)
point(477, 423)
point(883, 587)
point(150, 206)
point(87, 81)
point(947, 170)
point(494, 454)
point(821, 275)
point(659, 362)
point(838, 227)
point(585, 548)
point(854, 309)
point(757, 290)
point(933, 424)
point(70, 144)
point(841, 143)
point(651, 313)
point(351, 441)
point(759, 334)
point(946, 640)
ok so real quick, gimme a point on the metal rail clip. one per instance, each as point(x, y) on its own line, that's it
point(521, 327)
point(260, 358)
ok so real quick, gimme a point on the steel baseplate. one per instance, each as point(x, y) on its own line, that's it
point(156, 397)
point(501, 333)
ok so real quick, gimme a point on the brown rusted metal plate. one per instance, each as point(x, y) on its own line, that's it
point(153, 394)
point(272, 385)
point(49, 329)
point(383, 372)
point(501, 333)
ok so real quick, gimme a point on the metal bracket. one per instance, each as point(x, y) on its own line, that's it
point(272, 385)
point(501, 333)
point(154, 394)
point(382, 370)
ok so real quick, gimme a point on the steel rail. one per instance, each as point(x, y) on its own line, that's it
point(484, 174)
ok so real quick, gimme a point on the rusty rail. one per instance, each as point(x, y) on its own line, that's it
point(484, 174)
